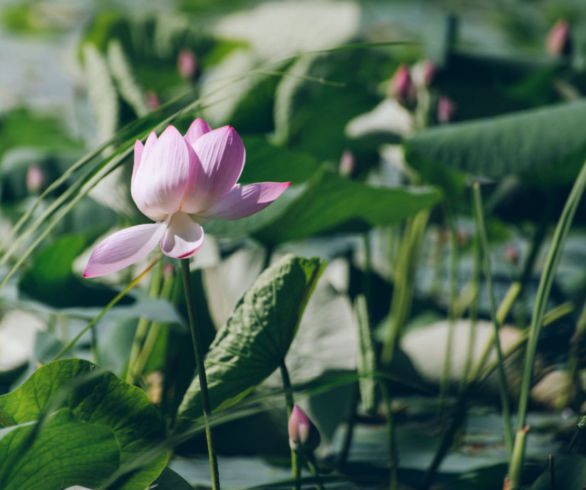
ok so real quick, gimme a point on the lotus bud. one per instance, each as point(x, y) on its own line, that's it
point(445, 110)
point(347, 163)
point(423, 73)
point(187, 64)
point(303, 435)
point(34, 179)
point(512, 254)
point(402, 88)
point(167, 270)
point(559, 41)
point(152, 100)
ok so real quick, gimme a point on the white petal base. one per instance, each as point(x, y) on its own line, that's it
point(182, 238)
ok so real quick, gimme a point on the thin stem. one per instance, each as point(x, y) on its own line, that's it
point(473, 311)
point(107, 308)
point(295, 464)
point(574, 355)
point(201, 374)
point(481, 231)
point(314, 472)
point(142, 329)
point(347, 442)
point(393, 454)
point(579, 427)
point(453, 313)
point(543, 291)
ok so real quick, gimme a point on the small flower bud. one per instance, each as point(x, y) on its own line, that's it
point(402, 88)
point(445, 110)
point(187, 64)
point(152, 100)
point(423, 73)
point(34, 179)
point(303, 435)
point(559, 41)
point(512, 254)
point(167, 270)
point(347, 163)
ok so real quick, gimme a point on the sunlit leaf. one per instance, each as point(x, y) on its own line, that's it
point(66, 452)
point(546, 145)
point(256, 337)
point(101, 399)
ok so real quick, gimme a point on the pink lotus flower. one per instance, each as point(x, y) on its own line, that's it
point(179, 182)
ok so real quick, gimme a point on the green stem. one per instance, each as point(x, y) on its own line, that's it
point(201, 374)
point(314, 472)
point(142, 328)
point(393, 454)
point(456, 422)
point(155, 330)
point(481, 231)
point(453, 313)
point(579, 427)
point(347, 442)
point(403, 284)
point(107, 308)
point(295, 466)
point(543, 291)
point(473, 311)
point(574, 355)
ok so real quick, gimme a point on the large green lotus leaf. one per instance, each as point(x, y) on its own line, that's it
point(101, 399)
point(65, 452)
point(328, 203)
point(255, 339)
point(544, 145)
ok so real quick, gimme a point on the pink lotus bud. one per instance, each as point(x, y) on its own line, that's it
point(463, 237)
point(167, 270)
point(152, 100)
point(303, 435)
point(559, 41)
point(512, 254)
point(347, 163)
point(187, 64)
point(445, 110)
point(34, 179)
point(402, 88)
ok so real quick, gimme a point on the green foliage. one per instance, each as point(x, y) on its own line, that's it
point(256, 337)
point(66, 452)
point(21, 127)
point(50, 277)
point(545, 146)
point(86, 406)
point(329, 203)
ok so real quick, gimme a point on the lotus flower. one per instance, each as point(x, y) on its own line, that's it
point(179, 182)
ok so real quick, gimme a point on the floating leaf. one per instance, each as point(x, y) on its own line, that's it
point(546, 145)
point(255, 339)
point(103, 400)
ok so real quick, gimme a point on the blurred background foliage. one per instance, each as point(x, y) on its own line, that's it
point(380, 177)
